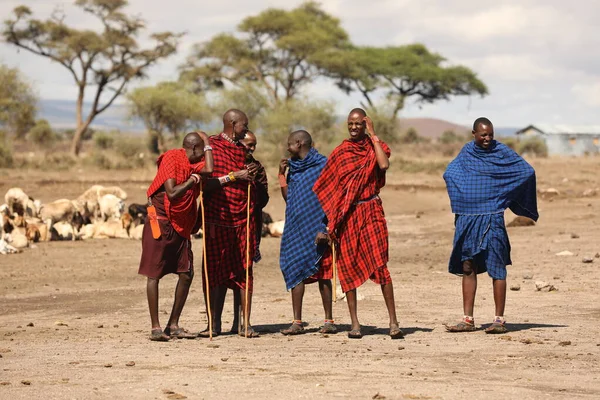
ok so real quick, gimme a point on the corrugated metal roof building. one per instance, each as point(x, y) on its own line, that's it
point(565, 139)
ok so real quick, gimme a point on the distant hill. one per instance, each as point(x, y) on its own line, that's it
point(61, 114)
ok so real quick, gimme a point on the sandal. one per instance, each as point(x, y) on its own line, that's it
point(497, 327)
point(180, 333)
point(206, 334)
point(328, 328)
point(251, 333)
point(157, 335)
point(396, 332)
point(296, 328)
point(462, 326)
point(355, 334)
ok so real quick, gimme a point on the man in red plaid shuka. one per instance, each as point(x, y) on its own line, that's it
point(226, 201)
point(166, 248)
point(348, 190)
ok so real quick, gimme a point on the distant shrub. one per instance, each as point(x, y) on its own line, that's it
point(42, 133)
point(100, 160)
point(410, 136)
point(152, 143)
point(58, 161)
point(6, 158)
point(104, 140)
point(413, 166)
point(533, 145)
point(511, 142)
point(129, 147)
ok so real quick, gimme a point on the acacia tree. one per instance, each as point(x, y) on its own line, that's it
point(106, 60)
point(17, 102)
point(275, 49)
point(402, 72)
point(167, 107)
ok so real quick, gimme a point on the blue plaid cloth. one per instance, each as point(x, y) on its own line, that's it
point(481, 185)
point(304, 218)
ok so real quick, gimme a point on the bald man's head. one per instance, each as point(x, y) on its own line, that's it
point(235, 124)
point(249, 142)
point(356, 124)
point(303, 137)
point(192, 139)
point(194, 147)
point(358, 111)
point(299, 144)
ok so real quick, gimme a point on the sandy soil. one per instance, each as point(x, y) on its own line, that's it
point(74, 314)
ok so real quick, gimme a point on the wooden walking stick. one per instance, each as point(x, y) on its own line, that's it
point(208, 304)
point(247, 261)
point(334, 272)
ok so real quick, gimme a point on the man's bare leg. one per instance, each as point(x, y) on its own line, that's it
point(355, 332)
point(388, 296)
point(297, 297)
point(236, 325)
point(469, 287)
point(181, 293)
point(251, 332)
point(499, 296)
point(152, 294)
point(326, 296)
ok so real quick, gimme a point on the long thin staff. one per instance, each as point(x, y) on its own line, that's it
point(208, 305)
point(334, 272)
point(247, 262)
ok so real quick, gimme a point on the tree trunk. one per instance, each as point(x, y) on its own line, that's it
point(77, 138)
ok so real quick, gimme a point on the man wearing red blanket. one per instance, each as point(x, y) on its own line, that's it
point(226, 202)
point(348, 190)
point(166, 248)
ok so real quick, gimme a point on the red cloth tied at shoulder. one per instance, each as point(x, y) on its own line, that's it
point(350, 175)
point(182, 212)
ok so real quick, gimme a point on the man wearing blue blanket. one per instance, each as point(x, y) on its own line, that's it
point(305, 256)
point(484, 180)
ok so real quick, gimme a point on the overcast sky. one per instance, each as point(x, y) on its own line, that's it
point(539, 58)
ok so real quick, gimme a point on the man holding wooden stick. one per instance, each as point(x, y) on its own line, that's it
point(229, 197)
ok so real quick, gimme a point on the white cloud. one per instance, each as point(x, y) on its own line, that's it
point(588, 93)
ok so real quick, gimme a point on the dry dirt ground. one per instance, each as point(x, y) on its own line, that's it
point(74, 314)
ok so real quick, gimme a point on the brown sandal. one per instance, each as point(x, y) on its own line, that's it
point(180, 333)
point(497, 327)
point(462, 326)
point(295, 329)
point(396, 332)
point(328, 328)
point(157, 335)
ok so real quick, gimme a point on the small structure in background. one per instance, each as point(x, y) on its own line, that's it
point(571, 140)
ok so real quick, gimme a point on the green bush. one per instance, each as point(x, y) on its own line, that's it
point(6, 159)
point(42, 133)
point(533, 145)
point(58, 161)
point(410, 136)
point(104, 140)
point(511, 142)
point(129, 147)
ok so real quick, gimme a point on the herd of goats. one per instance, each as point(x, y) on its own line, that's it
point(98, 213)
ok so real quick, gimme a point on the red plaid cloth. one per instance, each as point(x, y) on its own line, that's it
point(347, 190)
point(227, 205)
point(326, 270)
point(226, 215)
point(226, 256)
point(182, 212)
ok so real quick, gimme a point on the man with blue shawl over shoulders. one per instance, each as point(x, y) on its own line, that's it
point(485, 179)
point(305, 255)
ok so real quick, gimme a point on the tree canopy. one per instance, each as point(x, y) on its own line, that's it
point(167, 107)
point(276, 49)
point(401, 72)
point(106, 60)
point(17, 102)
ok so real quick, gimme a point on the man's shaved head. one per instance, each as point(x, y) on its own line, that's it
point(192, 139)
point(302, 136)
point(481, 121)
point(360, 111)
point(233, 115)
point(235, 124)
